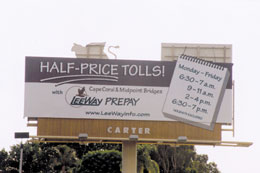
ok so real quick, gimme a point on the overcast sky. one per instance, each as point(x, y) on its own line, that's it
point(49, 28)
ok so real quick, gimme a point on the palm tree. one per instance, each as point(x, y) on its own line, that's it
point(65, 158)
point(144, 159)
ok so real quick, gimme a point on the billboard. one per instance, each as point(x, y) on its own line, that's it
point(104, 89)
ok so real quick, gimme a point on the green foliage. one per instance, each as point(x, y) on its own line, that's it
point(52, 158)
point(144, 161)
point(3, 159)
point(101, 161)
point(173, 159)
point(182, 159)
point(82, 149)
point(65, 159)
point(200, 165)
point(39, 158)
point(212, 167)
point(29, 163)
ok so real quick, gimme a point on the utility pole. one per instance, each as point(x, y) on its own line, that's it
point(21, 135)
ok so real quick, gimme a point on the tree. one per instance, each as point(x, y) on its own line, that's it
point(47, 154)
point(212, 167)
point(182, 159)
point(101, 161)
point(3, 159)
point(39, 157)
point(173, 159)
point(200, 165)
point(144, 161)
point(82, 149)
point(35, 158)
point(65, 158)
point(51, 158)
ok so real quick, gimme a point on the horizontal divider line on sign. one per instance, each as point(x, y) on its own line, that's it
point(175, 142)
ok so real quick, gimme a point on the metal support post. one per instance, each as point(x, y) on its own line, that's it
point(129, 157)
point(21, 159)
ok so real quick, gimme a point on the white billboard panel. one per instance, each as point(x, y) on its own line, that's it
point(103, 89)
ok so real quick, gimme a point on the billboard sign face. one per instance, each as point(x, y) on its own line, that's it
point(103, 89)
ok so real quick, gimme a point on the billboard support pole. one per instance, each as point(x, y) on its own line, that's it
point(21, 159)
point(129, 157)
point(21, 135)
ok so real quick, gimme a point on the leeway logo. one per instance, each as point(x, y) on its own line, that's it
point(77, 96)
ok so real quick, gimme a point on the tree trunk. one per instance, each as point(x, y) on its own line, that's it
point(63, 169)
